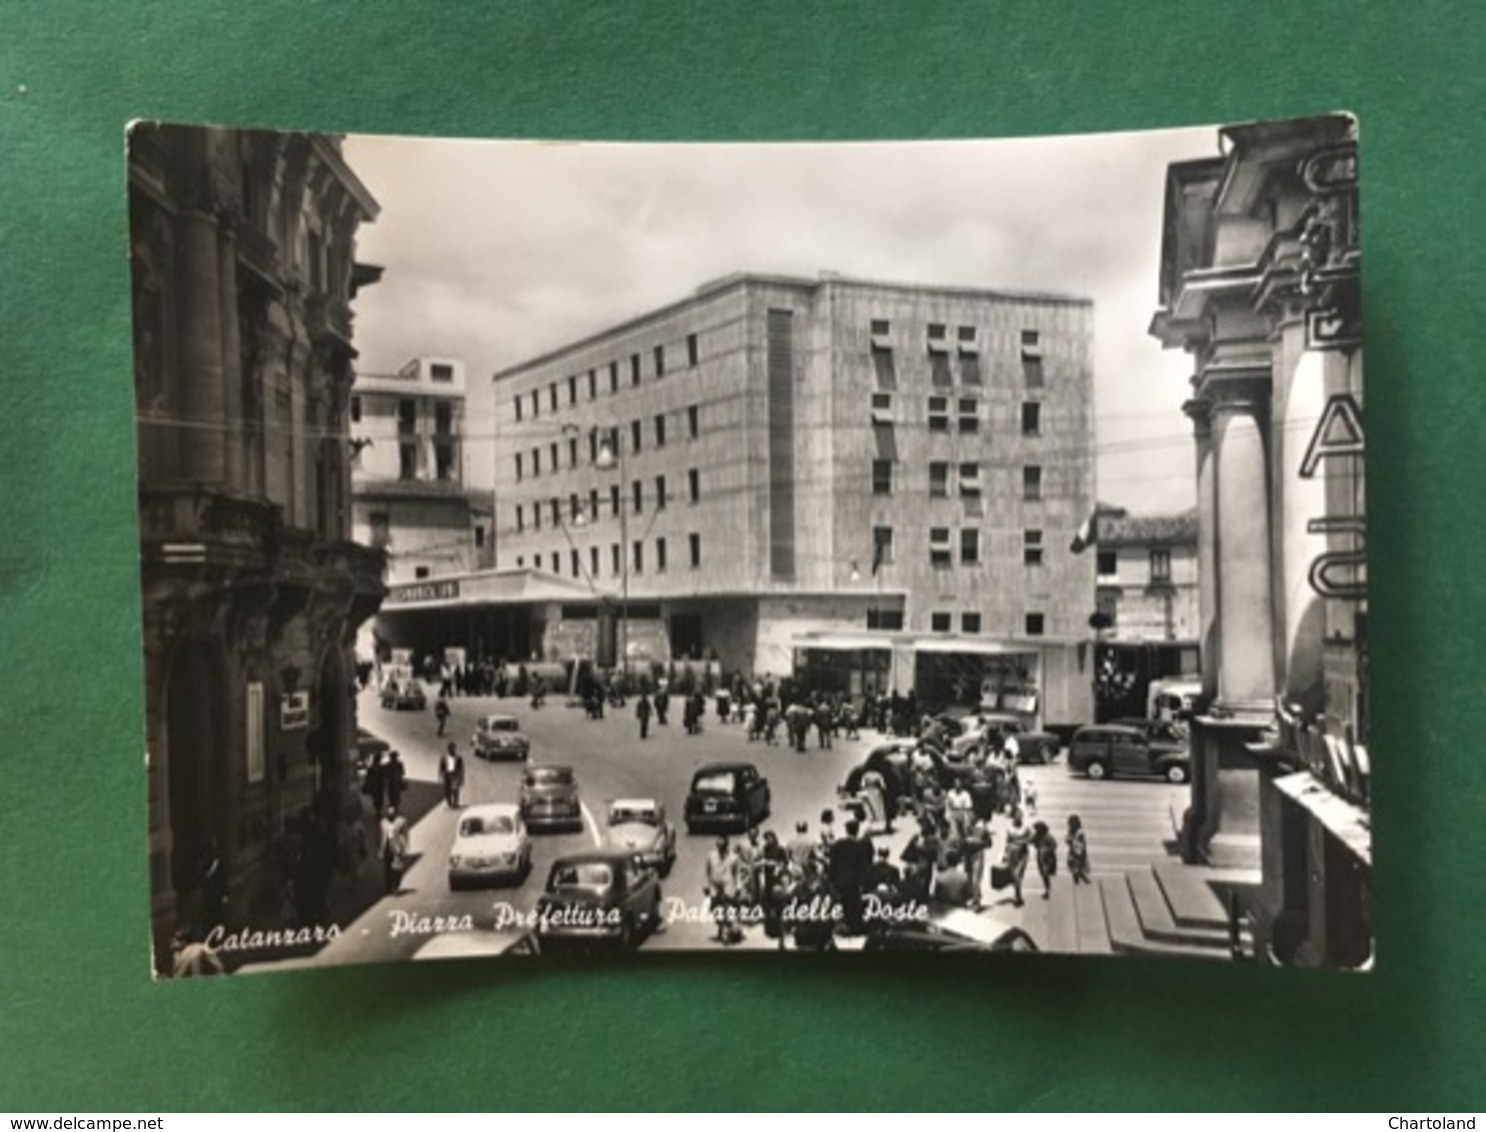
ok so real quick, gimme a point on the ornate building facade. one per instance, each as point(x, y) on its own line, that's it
point(243, 263)
point(1260, 285)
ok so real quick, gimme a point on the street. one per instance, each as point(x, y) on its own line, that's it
point(1127, 822)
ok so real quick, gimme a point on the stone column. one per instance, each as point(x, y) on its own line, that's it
point(1245, 613)
point(202, 439)
point(1207, 532)
point(231, 355)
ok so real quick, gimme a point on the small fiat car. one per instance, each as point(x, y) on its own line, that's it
point(605, 896)
point(490, 844)
point(549, 798)
point(727, 797)
point(500, 737)
point(639, 826)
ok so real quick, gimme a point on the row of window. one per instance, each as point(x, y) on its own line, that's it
point(533, 400)
point(577, 513)
point(942, 551)
point(966, 479)
point(407, 413)
point(966, 339)
point(610, 438)
point(1160, 562)
point(616, 565)
point(942, 621)
point(966, 414)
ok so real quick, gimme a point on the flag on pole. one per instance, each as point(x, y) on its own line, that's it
point(1087, 534)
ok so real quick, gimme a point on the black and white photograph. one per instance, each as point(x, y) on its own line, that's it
point(900, 546)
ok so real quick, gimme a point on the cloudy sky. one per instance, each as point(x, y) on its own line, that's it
point(498, 251)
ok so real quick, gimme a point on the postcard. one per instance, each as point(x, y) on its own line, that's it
point(912, 546)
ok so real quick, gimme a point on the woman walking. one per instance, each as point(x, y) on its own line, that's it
point(1046, 848)
point(1078, 851)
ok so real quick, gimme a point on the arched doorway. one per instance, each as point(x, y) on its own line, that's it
point(197, 757)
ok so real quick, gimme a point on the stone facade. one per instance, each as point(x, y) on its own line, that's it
point(242, 252)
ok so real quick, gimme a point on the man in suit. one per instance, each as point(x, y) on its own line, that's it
point(451, 774)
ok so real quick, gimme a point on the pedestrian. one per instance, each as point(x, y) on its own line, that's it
point(662, 704)
point(801, 847)
point(441, 713)
point(823, 724)
point(1046, 848)
point(538, 691)
point(771, 724)
point(1029, 794)
point(952, 882)
point(396, 779)
point(374, 783)
point(976, 845)
point(750, 864)
point(1078, 851)
point(874, 792)
point(394, 847)
point(722, 891)
point(848, 868)
point(959, 809)
point(451, 774)
point(1013, 866)
point(642, 713)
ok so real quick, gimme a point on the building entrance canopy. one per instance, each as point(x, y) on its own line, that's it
point(487, 587)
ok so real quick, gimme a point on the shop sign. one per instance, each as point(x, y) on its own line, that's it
point(421, 591)
point(294, 711)
point(1340, 574)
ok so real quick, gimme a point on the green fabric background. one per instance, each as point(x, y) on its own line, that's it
point(82, 1028)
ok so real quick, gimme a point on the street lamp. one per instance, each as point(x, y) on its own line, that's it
point(611, 456)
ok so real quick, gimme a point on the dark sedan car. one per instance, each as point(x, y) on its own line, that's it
point(549, 798)
point(728, 797)
point(605, 896)
point(1112, 749)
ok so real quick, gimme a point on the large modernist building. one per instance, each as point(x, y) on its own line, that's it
point(410, 486)
point(243, 258)
point(855, 483)
point(1259, 284)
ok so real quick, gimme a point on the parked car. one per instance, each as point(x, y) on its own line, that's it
point(408, 696)
point(728, 797)
point(950, 929)
point(1171, 733)
point(549, 798)
point(602, 896)
point(500, 737)
point(1032, 746)
point(490, 843)
point(1112, 749)
point(639, 825)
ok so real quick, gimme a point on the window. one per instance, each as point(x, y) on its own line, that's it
point(691, 349)
point(593, 392)
point(634, 436)
point(939, 622)
point(613, 377)
point(970, 480)
point(938, 338)
point(518, 466)
point(660, 361)
point(521, 560)
point(381, 529)
point(1032, 482)
point(420, 572)
point(639, 566)
point(593, 446)
point(1034, 624)
point(938, 480)
point(634, 369)
point(1031, 344)
point(553, 450)
point(882, 409)
point(969, 414)
point(443, 418)
point(552, 399)
point(536, 461)
point(1032, 372)
point(1031, 418)
point(693, 421)
point(517, 402)
point(536, 520)
point(440, 371)
point(614, 564)
point(593, 561)
point(576, 563)
point(614, 500)
point(1160, 566)
point(573, 389)
point(556, 512)
point(520, 518)
point(882, 334)
point(443, 458)
point(882, 546)
point(480, 537)
point(890, 619)
point(938, 414)
point(882, 477)
point(355, 409)
point(965, 340)
point(407, 416)
point(1032, 548)
point(969, 547)
point(970, 622)
point(575, 512)
point(660, 556)
point(1109, 564)
point(660, 430)
point(639, 493)
point(572, 451)
point(660, 493)
point(694, 485)
point(940, 555)
point(556, 562)
point(536, 404)
point(407, 461)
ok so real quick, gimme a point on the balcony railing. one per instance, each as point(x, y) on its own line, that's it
point(193, 514)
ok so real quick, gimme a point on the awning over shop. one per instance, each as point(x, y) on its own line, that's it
point(982, 648)
point(523, 586)
point(842, 644)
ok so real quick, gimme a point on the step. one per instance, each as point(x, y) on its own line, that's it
point(1156, 919)
point(1190, 892)
point(1092, 928)
point(1126, 936)
point(1062, 919)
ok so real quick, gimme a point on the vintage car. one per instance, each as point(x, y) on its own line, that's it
point(1111, 749)
point(604, 896)
point(949, 929)
point(490, 844)
point(639, 825)
point(500, 737)
point(549, 798)
point(726, 797)
point(405, 696)
point(1032, 746)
